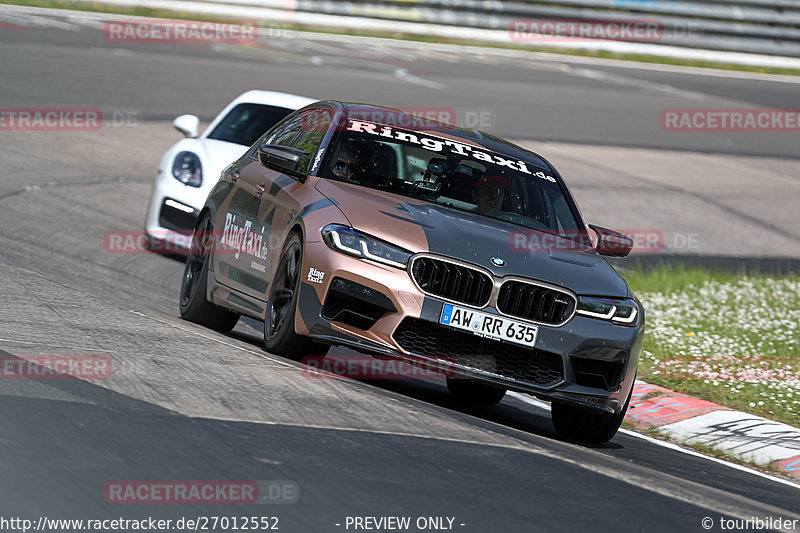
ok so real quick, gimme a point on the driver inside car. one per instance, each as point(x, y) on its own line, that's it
point(350, 165)
point(489, 192)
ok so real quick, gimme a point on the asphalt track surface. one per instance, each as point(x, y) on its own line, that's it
point(186, 403)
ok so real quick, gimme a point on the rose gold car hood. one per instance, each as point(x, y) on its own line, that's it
point(378, 213)
point(420, 226)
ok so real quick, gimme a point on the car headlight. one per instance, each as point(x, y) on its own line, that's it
point(624, 312)
point(187, 169)
point(352, 242)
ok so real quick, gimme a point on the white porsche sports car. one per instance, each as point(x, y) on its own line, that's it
point(193, 165)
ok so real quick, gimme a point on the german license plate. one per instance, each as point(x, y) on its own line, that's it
point(488, 326)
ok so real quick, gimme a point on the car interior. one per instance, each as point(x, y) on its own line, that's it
point(417, 173)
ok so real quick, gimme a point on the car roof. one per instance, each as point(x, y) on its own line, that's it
point(287, 100)
point(398, 117)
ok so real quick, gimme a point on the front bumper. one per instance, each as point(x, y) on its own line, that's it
point(173, 211)
point(377, 309)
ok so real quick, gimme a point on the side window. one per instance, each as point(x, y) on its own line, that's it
point(301, 130)
point(564, 217)
point(314, 123)
point(283, 131)
point(288, 132)
point(247, 122)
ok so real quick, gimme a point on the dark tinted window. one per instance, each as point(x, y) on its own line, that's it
point(452, 173)
point(304, 130)
point(245, 123)
point(286, 132)
point(315, 124)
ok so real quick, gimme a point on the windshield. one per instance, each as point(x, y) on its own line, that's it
point(449, 172)
point(245, 123)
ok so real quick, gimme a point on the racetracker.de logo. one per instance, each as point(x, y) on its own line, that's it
point(50, 119)
point(731, 119)
point(55, 367)
point(423, 118)
point(644, 241)
point(140, 242)
point(178, 31)
point(646, 30)
point(366, 367)
point(201, 492)
point(238, 237)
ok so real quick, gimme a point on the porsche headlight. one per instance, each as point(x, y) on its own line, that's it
point(187, 169)
point(623, 312)
point(352, 242)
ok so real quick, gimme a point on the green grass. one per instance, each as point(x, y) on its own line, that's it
point(603, 54)
point(674, 278)
point(730, 338)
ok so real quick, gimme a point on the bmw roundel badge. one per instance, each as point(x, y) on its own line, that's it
point(496, 261)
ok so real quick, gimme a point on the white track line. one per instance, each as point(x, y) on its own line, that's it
point(670, 445)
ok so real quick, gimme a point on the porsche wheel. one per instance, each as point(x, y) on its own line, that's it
point(193, 304)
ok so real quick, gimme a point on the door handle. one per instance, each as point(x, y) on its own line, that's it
point(260, 188)
point(234, 174)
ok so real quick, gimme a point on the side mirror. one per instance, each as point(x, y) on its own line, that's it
point(281, 158)
point(612, 243)
point(187, 124)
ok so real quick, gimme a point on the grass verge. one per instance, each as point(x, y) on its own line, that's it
point(603, 54)
point(729, 338)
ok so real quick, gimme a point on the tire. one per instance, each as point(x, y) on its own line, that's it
point(280, 337)
point(579, 424)
point(468, 391)
point(192, 301)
